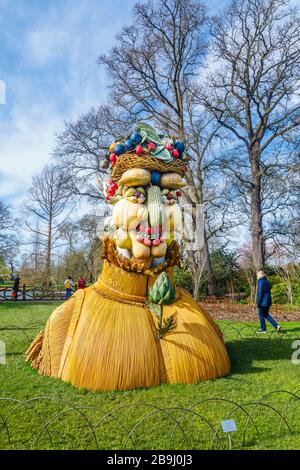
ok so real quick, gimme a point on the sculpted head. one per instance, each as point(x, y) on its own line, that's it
point(145, 188)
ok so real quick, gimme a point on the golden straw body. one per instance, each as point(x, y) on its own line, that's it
point(104, 337)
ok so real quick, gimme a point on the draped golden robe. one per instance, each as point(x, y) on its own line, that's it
point(104, 337)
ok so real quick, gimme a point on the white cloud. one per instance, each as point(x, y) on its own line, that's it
point(26, 141)
point(56, 78)
point(44, 45)
point(26, 149)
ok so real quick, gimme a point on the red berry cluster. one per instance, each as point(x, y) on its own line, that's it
point(151, 146)
point(139, 150)
point(174, 152)
point(112, 189)
point(113, 158)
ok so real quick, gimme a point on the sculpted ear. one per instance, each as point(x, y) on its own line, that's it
point(118, 212)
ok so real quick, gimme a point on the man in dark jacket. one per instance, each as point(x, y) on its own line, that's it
point(16, 287)
point(264, 302)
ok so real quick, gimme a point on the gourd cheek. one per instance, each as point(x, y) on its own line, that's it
point(128, 215)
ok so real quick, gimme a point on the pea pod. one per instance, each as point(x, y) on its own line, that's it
point(132, 199)
point(113, 200)
point(130, 192)
point(140, 189)
point(120, 190)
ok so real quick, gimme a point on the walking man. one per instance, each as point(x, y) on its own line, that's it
point(264, 302)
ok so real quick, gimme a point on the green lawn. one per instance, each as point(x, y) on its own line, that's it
point(160, 418)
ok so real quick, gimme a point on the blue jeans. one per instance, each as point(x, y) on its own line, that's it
point(264, 315)
point(68, 293)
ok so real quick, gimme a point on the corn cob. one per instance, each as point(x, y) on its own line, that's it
point(156, 210)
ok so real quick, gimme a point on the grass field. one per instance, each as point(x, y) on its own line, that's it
point(42, 412)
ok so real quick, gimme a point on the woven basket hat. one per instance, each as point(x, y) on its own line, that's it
point(147, 162)
point(153, 153)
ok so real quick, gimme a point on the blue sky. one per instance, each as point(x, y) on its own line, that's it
point(48, 53)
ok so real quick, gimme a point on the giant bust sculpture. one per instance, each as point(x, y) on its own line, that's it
point(133, 327)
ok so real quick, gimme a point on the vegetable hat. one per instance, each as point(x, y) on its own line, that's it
point(144, 148)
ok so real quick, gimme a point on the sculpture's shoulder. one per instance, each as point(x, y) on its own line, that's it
point(66, 308)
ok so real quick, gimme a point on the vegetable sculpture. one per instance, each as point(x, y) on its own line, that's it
point(133, 327)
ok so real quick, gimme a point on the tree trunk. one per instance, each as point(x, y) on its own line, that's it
point(204, 253)
point(197, 280)
point(48, 254)
point(211, 280)
point(258, 248)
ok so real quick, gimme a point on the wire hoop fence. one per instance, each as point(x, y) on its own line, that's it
point(50, 422)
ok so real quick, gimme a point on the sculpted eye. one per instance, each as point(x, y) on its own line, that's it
point(135, 177)
point(172, 181)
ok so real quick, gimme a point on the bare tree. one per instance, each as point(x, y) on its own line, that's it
point(209, 188)
point(83, 241)
point(37, 251)
point(152, 70)
point(48, 202)
point(10, 257)
point(88, 226)
point(85, 143)
point(5, 217)
point(6, 226)
point(280, 211)
point(9, 244)
point(253, 93)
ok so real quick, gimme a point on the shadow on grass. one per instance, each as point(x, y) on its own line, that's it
point(288, 330)
point(243, 352)
point(23, 305)
point(13, 354)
